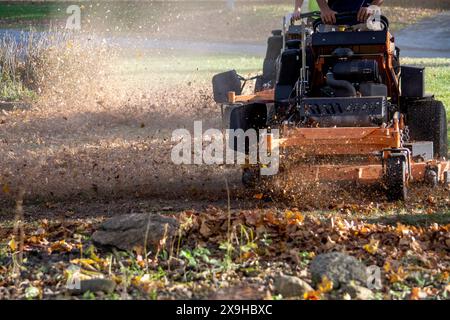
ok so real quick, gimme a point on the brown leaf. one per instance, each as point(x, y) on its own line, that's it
point(205, 231)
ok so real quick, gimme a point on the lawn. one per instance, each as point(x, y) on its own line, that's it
point(175, 68)
point(30, 11)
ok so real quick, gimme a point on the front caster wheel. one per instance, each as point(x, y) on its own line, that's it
point(250, 178)
point(396, 179)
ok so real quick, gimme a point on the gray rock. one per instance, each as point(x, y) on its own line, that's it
point(95, 285)
point(339, 268)
point(359, 292)
point(290, 286)
point(134, 231)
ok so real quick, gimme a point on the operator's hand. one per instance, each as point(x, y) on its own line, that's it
point(296, 15)
point(328, 16)
point(363, 14)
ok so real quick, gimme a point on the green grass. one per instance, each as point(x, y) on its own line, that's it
point(203, 63)
point(313, 6)
point(32, 11)
point(184, 68)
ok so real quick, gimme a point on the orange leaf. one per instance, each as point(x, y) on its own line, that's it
point(415, 293)
point(61, 246)
point(325, 286)
point(246, 255)
point(444, 276)
point(294, 218)
point(6, 188)
point(372, 246)
point(398, 276)
point(311, 295)
point(402, 230)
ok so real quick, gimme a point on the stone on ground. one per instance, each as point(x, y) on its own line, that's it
point(359, 292)
point(137, 232)
point(95, 285)
point(290, 286)
point(339, 268)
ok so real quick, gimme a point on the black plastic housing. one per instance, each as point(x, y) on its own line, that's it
point(225, 82)
point(413, 82)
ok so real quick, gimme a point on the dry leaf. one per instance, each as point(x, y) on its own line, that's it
point(325, 286)
point(312, 295)
point(398, 276)
point(294, 218)
point(12, 244)
point(205, 231)
point(6, 188)
point(372, 246)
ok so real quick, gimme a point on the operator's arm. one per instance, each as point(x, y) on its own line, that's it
point(328, 16)
point(364, 13)
point(297, 9)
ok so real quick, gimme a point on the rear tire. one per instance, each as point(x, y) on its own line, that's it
point(427, 121)
point(395, 179)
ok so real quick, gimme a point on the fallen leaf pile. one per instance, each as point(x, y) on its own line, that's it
point(220, 249)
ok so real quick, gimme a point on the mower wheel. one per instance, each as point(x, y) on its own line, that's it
point(427, 121)
point(250, 178)
point(395, 179)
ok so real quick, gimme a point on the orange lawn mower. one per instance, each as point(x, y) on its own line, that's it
point(345, 108)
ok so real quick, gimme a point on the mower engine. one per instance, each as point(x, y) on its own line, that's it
point(346, 112)
point(352, 95)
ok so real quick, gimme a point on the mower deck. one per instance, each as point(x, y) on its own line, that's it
point(351, 142)
point(340, 141)
point(369, 173)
